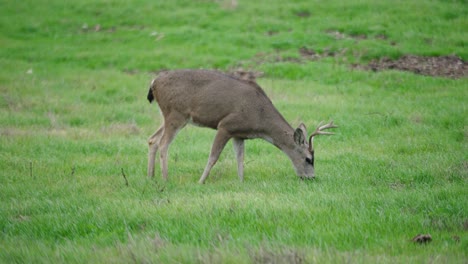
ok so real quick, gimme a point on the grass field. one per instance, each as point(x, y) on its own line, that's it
point(74, 121)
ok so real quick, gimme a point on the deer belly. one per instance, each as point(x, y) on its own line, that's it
point(203, 122)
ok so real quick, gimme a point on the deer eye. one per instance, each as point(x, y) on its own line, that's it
point(310, 161)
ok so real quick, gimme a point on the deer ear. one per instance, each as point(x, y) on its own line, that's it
point(300, 134)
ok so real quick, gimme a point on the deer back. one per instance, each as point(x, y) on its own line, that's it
point(208, 97)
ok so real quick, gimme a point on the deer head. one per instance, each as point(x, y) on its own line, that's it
point(304, 160)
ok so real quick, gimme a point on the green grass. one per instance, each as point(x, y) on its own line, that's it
point(74, 119)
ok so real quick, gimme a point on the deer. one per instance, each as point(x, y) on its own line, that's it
point(237, 108)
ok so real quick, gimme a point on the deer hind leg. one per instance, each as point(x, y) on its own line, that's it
point(153, 143)
point(238, 144)
point(172, 125)
point(222, 137)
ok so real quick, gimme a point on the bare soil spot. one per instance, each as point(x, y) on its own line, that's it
point(450, 66)
point(282, 256)
point(246, 75)
point(311, 54)
point(305, 54)
point(422, 239)
point(340, 35)
point(303, 13)
point(272, 32)
point(336, 34)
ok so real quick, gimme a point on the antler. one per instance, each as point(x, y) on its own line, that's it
point(319, 131)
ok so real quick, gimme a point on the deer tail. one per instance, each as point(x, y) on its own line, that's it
point(150, 92)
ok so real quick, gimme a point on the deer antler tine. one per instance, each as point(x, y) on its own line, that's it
point(329, 125)
point(318, 131)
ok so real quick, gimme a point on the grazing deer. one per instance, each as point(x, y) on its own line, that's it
point(236, 108)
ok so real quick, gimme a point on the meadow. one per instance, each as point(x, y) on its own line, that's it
point(74, 124)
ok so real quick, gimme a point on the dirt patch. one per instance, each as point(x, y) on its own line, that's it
point(422, 239)
point(245, 75)
point(305, 54)
point(271, 32)
point(311, 54)
point(340, 35)
point(303, 13)
point(450, 66)
point(278, 256)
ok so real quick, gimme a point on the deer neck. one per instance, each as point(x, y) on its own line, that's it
point(281, 134)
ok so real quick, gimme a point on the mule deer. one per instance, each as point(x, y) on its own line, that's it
point(236, 108)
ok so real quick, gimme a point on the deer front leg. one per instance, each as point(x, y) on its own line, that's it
point(222, 137)
point(238, 144)
point(172, 125)
point(153, 144)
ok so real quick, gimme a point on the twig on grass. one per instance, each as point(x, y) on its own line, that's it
point(248, 161)
point(31, 169)
point(125, 177)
